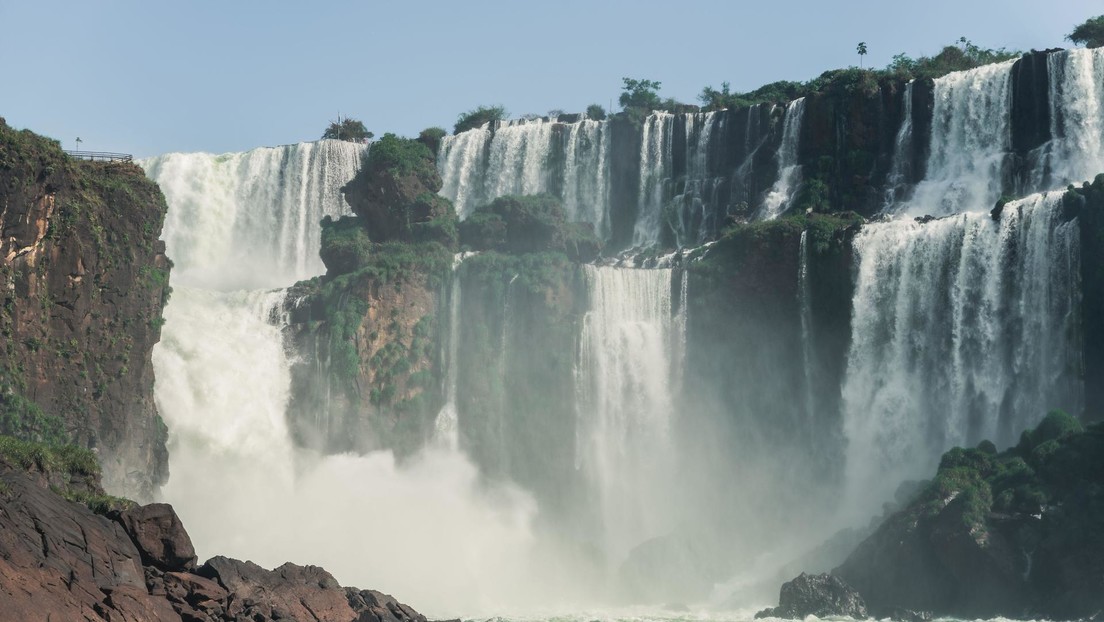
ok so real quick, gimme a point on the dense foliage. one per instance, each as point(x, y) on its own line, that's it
point(348, 129)
point(523, 224)
point(431, 137)
point(478, 116)
point(595, 112)
point(1090, 33)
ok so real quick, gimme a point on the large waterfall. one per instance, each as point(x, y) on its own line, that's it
point(569, 160)
point(970, 143)
point(241, 224)
point(963, 329)
point(789, 170)
point(1075, 152)
point(624, 376)
point(655, 176)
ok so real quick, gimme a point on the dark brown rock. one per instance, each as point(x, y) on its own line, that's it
point(816, 595)
point(160, 537)
point(290, 591)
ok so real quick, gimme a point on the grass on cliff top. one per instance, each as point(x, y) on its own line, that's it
point(48, 458)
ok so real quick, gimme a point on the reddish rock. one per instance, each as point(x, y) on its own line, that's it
point(160, 537)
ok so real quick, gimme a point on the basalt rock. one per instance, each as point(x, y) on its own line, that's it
point(818, 595)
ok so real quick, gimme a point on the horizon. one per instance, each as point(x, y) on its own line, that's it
point(224, 79)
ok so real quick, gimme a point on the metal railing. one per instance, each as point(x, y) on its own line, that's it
point(100, 156)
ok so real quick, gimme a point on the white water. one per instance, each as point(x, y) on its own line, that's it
point(428, 529)
point(1075, 152)
point(806, 306)
point(655, 177)
point(789, 171)
point(963, 329)
point(699, 198)
point(250, 220)
point(901, 166)
point(624, 378)
point(971, 142)
point(534, 156)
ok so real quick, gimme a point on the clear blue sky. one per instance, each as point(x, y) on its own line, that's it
point(148, 77)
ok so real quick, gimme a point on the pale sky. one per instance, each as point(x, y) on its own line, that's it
point(148, 77)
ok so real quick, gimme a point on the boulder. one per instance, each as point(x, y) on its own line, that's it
point(816, 595)
point(290, 591)
point(160, 537)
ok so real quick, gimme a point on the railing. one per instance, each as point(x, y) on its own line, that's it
point(101, 156)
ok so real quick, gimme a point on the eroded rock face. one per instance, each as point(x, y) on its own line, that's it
point(61, 561)
point(83, 278)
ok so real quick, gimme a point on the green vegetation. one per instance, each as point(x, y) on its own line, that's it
point(595, 112)
point(861, 49)
point(348, 129)
point(1090, 33)
point(477, 117)
point(67, 460)
point(22, 418)
point(959, 57)
point(401, 156)
point(532, 223)
point(431, 137)
point(641, 94)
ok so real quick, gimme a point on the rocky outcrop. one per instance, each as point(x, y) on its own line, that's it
point(816, 595)
point(528, 224)
point(84, 278)
point(60, 560)
point(1016, 534)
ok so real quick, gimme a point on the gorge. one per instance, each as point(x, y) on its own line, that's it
point(553, 364)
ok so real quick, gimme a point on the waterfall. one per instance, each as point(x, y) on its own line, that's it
point(624, 379)
point(240, 225)
point(699, 201)
point(806, 305)
point(900, 171)
point(446, 429)
point(743, 190)
point(250, 220)
point(963, 329)
point(655, 177)
point(1075, 152)
point(789, 171)
point(569, 160)
point(970, 143)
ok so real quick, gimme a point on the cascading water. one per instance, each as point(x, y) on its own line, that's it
point(624, 379)
point(655, 176)
point(963, 329)
point(699, 200)
point(789, 171)
point(569, 160)
point(1075, 152)
point(223, 381)
point(806, 324)
point(900, 171)
point(970, 143)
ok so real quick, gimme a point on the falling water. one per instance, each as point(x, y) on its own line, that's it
point(446, 429)
point(806, 323)
point(963, 329)
point(1075, 152)
point(900, 171)
point(250, 220)
point(789, 171)
point(624, 376)
point(970, 143)
point(223, 383)
point(699, 199)
point(655, 177)
point(570, 160)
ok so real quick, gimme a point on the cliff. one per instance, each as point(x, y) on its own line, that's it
point(84, 279)
point(69, 552)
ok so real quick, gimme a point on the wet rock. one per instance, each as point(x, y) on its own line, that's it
point(816, 595)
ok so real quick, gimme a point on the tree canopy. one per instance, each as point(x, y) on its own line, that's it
point(1090, 33)
point(348, 129)
point(640, 94)
point(478, 116)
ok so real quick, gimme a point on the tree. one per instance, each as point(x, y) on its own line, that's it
point(1090, 33)
point(477, 117)
point(640, 94)
point(861, 49)
point(348, 129)
point(595, 112)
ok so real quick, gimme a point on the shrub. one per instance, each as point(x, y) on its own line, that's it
point(595, 112)
point(431, 137)
point(348, 129)
point(477, 117)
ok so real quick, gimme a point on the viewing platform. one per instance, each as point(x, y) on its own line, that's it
point(100, 156)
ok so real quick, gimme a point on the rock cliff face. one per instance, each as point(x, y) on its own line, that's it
point(1015, 534)
point(84, 279)
point(61, 560)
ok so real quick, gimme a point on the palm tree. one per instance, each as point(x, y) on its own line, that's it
point(861, 49)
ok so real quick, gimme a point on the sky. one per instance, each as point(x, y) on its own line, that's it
point(148, 77)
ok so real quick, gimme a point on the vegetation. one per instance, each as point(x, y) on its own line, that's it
point(401, 156)
point(1090, 33)
point(640, 94)
point(68, 460)
point(348, 129)
point(861, 49)
point(431, 137)
point(478, 116)
point(595, 112)
point(524, 224)
point(22, 418)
